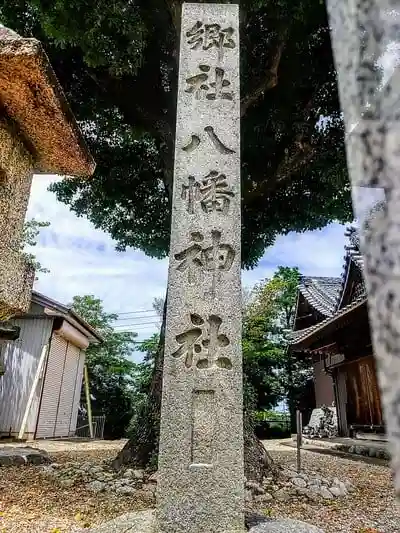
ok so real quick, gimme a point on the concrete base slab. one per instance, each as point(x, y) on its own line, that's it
point(284, 525)
point(137, 522)
point(145, 522)
point(15, 456)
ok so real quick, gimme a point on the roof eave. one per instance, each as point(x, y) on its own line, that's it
point(33, 99)
point(304, 342)
point(55, 308)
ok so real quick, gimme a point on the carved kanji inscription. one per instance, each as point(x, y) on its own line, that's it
point(202, 345)
point(216, 141)
point(212, 192)
point(208, 36)
point(201, 258)
point(203, 88)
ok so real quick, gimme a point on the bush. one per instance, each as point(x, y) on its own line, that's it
point(272, 430)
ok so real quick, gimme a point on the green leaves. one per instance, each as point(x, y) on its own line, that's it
point(118, 62)
point(110, 34)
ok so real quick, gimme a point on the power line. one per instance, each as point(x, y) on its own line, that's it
point(137, 325)
point(137, 318)
point(133, 312)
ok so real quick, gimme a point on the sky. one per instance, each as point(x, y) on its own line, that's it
point(83, 260)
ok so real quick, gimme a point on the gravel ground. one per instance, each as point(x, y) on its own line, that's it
point(372, 505)
point(32, 503)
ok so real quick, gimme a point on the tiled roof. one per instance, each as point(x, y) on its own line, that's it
point(326, 294)
point(295, 337)
point(321, 293)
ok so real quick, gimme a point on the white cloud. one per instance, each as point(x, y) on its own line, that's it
point(316, 253)
point(83, 260)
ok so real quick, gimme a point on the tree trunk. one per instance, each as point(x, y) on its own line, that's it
point(142, 448)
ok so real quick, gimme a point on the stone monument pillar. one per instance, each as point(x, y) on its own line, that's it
point(201, 475)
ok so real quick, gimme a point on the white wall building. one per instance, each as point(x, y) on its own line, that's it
point(43, 371)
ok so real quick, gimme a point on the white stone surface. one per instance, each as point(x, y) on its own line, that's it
point(200, 479)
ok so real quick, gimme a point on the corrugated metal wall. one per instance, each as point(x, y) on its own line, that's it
point(77, 392)
point(46, 423)
point(20, 359)
point(61, 390)
point(67, 393)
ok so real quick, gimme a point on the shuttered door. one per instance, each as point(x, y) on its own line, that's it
point(77, 395)
point(67, 392)
point(51, 388)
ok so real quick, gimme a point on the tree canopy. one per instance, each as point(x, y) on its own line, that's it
point(117, 62)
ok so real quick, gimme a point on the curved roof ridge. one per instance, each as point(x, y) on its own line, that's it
point(320, 292)
point(352, 256)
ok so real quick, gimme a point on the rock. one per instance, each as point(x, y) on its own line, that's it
point(349, 486)
point(48, 470)
point(134, 474)
point(67, 482)
point(55, 465)
point(95, 469)
point(309, 494)
point(255, 487)
point(149, 487)
point(125, 489)
point(248, 496)
point(383, 454)
point(138, 474)
point(106, 476)
point(301, 475)
point(343, 489)
point(17, 456)
point(299, 482)
point(326, 493)
point(372, 452)
point(137, 522)
point(335, 491)
point(352, 449)
point(263, 498)
point(96, 486)
point(153, 478)
point(282, 495)
point(284, 525)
